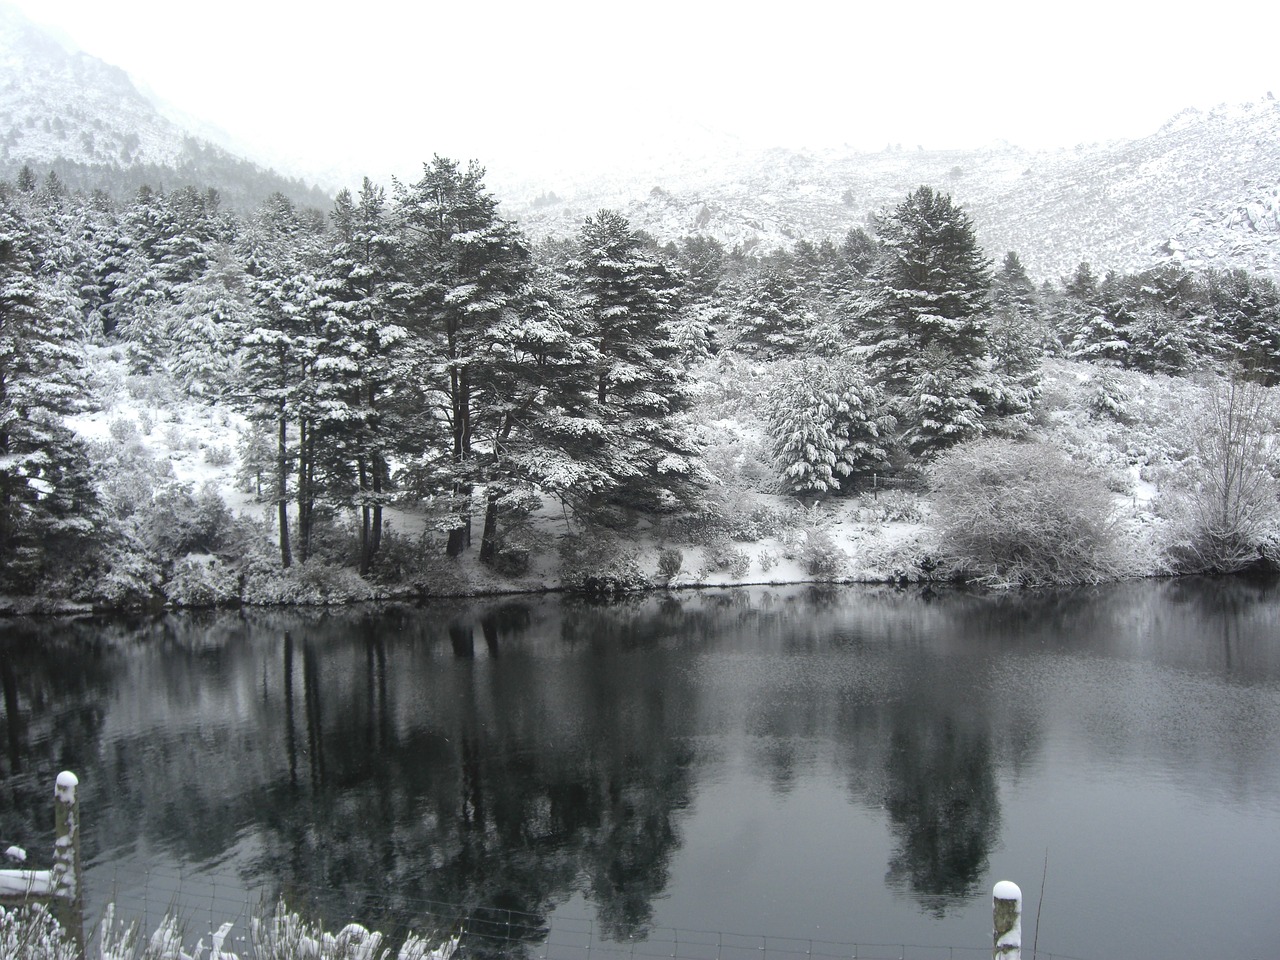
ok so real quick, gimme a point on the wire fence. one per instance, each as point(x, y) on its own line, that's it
point(203, 901)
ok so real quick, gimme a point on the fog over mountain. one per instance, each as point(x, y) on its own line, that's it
point(71, 113)
point(1203, 189)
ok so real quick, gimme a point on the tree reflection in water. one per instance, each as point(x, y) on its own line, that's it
point(510, 755)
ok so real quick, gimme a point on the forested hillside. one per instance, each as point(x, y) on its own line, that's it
point(412, 350)
point(82, 120)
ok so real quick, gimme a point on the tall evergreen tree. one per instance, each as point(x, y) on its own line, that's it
point(927, 304)
point(631, 298)
point(467, 269)
point(279, 350)
point(363, 337)
point(1016, 344)
point(47, 502)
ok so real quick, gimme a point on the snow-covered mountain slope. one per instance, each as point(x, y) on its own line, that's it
point(83, 119)
point(1204, 188)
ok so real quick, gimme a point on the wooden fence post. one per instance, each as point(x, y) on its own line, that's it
point(1006, 910)
point(68, 892)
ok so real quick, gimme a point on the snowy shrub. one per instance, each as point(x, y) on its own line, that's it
point(707, 523)
point(155, 391)
point(815, 550)
point(217, 455)
point(768, 560)
point(202, 580)
point(285, 936)
point(738, 462)
point(512, 559)
point(596, 565)
point(310, 583)
point(1011, 513)
point(723, 556)
point(890, 506)
point(179, 521)
point(669, 563)
point(123, 574)
point(146, 422)
point(32, 934)
point(415, 561)
point(122, 430)
point(763, 520)
point(177, 438)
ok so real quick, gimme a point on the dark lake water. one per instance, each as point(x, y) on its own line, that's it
point(848, 766)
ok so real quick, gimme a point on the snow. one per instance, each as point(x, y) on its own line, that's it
point(65, 790)
point(1007, 890)
point(17, 883)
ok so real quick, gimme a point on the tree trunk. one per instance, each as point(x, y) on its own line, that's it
point(459, 539)
point(460, 536)
point(306, 496)
point(489, 538)
point(366, 554)
point(282, 488)
point(375, 542)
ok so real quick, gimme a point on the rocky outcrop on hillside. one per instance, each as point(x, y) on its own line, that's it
point(1202, 189)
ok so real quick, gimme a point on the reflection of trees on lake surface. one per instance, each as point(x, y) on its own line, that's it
point(507, 755)
point(484, 777)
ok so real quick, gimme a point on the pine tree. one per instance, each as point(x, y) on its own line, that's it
point(1016, 345)
point(1103, 331)
point(47, 502)
point(631, 298)
point(363, 336)
point(467, 270)
point(926, 311)
point(1170, 333)
point(1245, 311)
point(279, 345)
point(828, 426)
point(767, 318)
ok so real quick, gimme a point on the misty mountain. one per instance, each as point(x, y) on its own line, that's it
point(1204, 189)
point(83, 119)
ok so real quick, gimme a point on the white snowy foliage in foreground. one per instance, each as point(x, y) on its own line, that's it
point(34, 934)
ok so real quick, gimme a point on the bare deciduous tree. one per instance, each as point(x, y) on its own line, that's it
point(1224, 512)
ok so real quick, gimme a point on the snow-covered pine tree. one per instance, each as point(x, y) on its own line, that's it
point(47, 500)
point(279, 344)
point(767, 318)
point(926, 310)
point(1102, 332)
point(361, 358)
point(1170, 332)
point(1011, 384)
point(466, 270)
point(828, 426)
point(1245, 312)
point(631, 297)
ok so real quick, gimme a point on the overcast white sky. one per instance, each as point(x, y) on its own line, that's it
point(380, 85)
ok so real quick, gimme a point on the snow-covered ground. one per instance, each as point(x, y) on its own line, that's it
point(880, 536)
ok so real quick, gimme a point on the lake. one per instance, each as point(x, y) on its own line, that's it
point(787, 772)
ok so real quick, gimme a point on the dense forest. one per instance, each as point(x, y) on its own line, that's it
point(411, 349)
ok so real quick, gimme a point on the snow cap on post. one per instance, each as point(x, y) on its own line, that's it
point(1007, 916)
point(65, 789)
